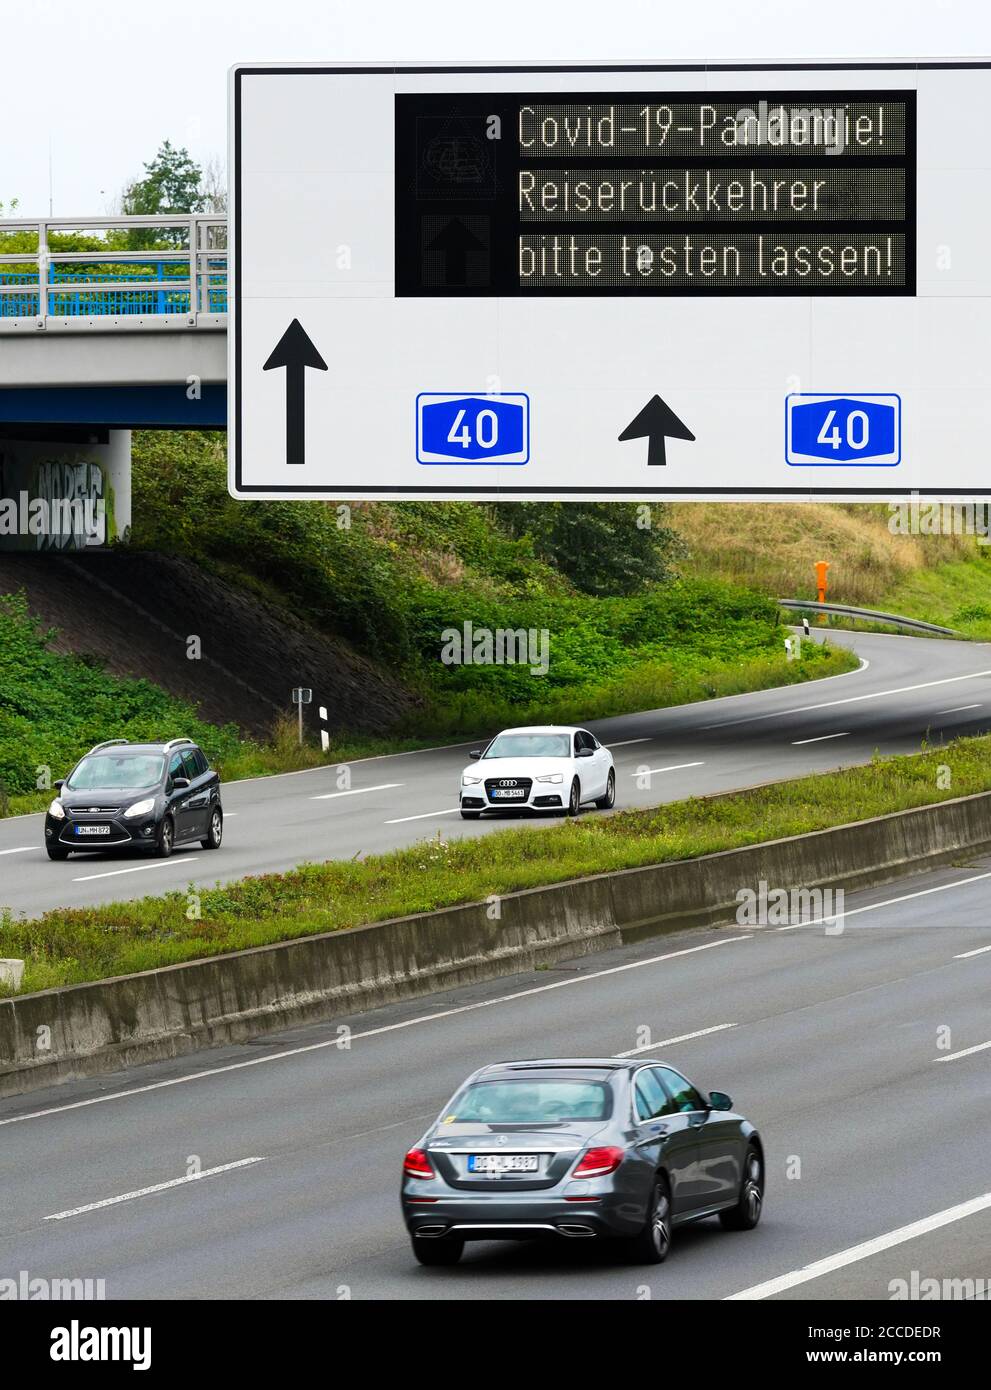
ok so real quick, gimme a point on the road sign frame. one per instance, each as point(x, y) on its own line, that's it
point(516, 488)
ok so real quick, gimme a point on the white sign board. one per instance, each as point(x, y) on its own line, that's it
point(613, 283)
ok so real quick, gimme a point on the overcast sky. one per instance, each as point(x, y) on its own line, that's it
point(104, 83)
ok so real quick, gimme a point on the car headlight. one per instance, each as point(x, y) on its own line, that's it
point(552, 777)
point(140, 808)
point(471, 781)
point(57, 810)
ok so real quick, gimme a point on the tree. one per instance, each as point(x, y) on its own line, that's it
point(213, 186)
point(604, 548)
point(171, 184)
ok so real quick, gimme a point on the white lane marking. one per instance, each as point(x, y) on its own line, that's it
point(850, 700)
point(371, 758)
point(865, 1250)
point(375, 1032)
point(955, 709)
point(426, 815)
point(137, 869)
point(967, 1052)
point(627, 741)
point(22, 849)
point(356, 791)
point(819, 738)
point(888, 902)
point(669, 1042)
point(158, 1187)
point(966, 955)
point(675, 767)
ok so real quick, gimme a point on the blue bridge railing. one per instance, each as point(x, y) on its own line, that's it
point(109, 293)
point(58, 279)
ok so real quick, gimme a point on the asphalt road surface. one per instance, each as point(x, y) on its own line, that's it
point(863, 1057)
point(907, 688)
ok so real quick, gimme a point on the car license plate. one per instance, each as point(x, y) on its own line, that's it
point(508, 793)
point(495, 1164)
point(92, 829)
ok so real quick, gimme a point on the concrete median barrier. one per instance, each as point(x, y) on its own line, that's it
point(83, 1030)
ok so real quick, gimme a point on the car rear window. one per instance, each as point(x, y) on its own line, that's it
point(532, 1101)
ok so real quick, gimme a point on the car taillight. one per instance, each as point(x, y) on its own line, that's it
point(416, 1164)
point(596, 1163)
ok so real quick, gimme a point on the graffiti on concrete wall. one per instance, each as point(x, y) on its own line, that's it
point(54, 504)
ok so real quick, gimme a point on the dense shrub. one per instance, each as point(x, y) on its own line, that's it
point(55, 707)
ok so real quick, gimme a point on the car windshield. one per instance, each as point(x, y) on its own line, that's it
point(529, 746)
point(531, 1102)
point(116, 772)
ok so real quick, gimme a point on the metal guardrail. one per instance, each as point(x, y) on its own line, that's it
point(133, 272)
point(867, 614)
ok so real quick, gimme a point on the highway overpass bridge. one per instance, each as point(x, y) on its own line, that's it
point(114, 322)
point(106, 325)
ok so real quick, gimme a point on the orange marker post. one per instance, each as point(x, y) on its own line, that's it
point(821, 567)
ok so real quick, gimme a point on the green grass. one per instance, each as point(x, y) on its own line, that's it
point(53, 707)
point(939, 578)
point(68, 946)
point(957, 594)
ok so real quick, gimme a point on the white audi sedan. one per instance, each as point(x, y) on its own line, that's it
point(555, 768)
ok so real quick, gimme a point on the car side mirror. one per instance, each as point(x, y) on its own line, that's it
point(59, 783)
point(719, 1100)
point(180, 784)
point(584, 752)
point(475, 754)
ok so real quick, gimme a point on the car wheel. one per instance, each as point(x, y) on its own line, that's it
point(166, 839)
point(745, 1215)
point(607, 802)
point(471, 815)
point(575, 799)
point(55, 850)
point(215, 833)
point(653, 1243)
point(438, 1250)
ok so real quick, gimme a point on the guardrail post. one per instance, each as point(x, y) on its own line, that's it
point(42, 275)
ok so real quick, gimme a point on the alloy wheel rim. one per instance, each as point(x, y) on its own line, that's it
point(611, 788)
point(753, 1197)
point(659, 1224)
point(573, 807)
point(216, 827)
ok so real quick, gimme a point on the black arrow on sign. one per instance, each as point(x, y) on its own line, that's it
point(454, 241)
point(656, 422)
point(295, 352)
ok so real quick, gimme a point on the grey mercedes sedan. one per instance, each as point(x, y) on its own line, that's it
point(580, 1149)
